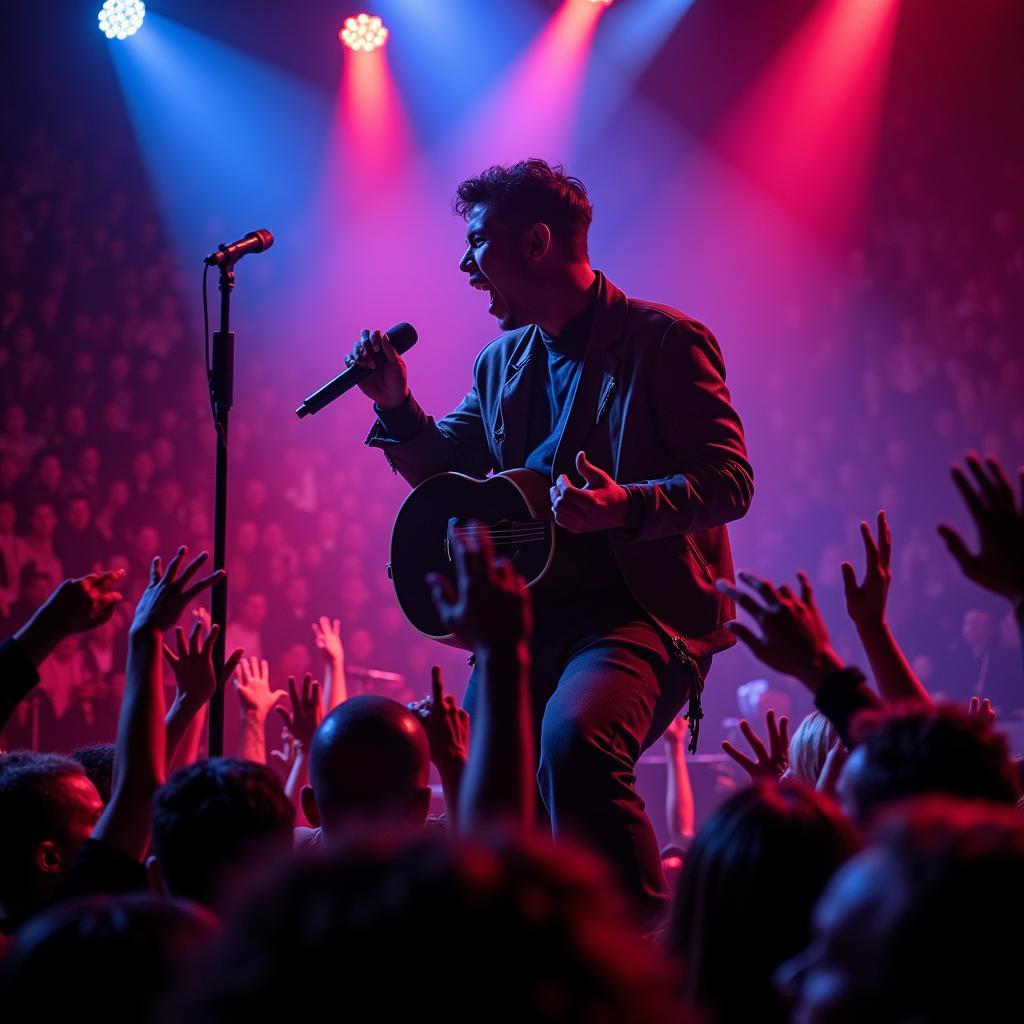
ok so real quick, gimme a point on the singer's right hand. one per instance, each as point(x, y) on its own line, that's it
point(388, 386)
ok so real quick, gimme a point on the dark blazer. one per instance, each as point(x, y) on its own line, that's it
point(654, 380)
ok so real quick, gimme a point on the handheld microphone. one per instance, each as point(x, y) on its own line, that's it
point(402, 336)
point(256, 241)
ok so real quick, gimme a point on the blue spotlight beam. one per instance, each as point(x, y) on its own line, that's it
point(628, 38)
point(229, 143)
point(455, 50)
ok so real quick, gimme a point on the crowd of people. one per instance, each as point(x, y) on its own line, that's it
point(839, 885)
point(106, 442)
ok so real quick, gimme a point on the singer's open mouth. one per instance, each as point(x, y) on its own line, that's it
point(481, 284)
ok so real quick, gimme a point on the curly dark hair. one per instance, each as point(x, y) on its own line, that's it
point(910, 750)
point(529, 192)
point(98, 762)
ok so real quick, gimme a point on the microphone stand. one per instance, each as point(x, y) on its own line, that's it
point(221, 377)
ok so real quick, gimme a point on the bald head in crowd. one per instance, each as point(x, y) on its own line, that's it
point(369, 764)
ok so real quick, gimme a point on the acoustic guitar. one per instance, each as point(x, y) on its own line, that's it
point(514, 505)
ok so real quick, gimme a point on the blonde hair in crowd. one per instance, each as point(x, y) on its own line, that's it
point(809, 746)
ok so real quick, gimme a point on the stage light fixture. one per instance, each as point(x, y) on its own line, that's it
point(363, 32)
point(120, 19)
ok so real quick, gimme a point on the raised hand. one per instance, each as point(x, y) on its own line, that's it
point(77, 605)
point(489, 608)
point(168, 594)
point(771, 760)
point(288, 752)
point(193, 663)
point(677, 732)
point(999, 518)
point(982, 710)
point(446, 726)
point(794, 638)
point(327, 635)
point(306, 711)
point(388, 386)
point(602, 504)
point(865, 602)
point(252, 684)
point(85, 603)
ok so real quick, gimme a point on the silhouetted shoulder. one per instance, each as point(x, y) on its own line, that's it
point(658, 315)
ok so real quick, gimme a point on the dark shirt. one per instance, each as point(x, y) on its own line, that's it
point(550, 410)
point(102, 868)
point(841, 697)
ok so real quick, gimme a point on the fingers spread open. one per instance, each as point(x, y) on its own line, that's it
point(750, 767)
point(207, 581)
point(747, 636)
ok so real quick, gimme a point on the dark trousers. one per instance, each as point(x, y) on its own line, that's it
point(605, 687)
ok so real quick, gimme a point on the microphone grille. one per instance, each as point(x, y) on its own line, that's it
point(265, 237)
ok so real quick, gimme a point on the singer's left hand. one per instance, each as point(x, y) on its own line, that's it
point(601, 504)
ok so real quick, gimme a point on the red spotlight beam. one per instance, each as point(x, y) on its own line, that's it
point(806, 132)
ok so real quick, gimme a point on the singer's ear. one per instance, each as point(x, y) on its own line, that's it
point(538, 241)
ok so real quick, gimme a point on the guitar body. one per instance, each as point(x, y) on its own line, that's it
point(514, 505)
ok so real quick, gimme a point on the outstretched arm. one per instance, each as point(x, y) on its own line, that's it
point(489, 610)
point(74, 607)
point(998, 517)
point(447, 729)
point(140, 760)
point(327, 634)
point(301, 723)
point(679, 807)
point(795, 641)
point(865, 604)
point(255, 697)
point(196, 680)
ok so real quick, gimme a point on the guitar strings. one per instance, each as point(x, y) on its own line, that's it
point(502, 529)
point(524, 534)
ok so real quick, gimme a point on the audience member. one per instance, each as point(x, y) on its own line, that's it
point(748, 885)
point(369, 764)
point(936, 900)
point(48, 807)
point(536, 934)
point(904, 752)
point(111, 958)
point(217, 823)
